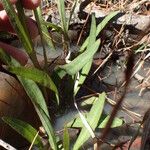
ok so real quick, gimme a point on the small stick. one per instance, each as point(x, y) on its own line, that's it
point(6, 145)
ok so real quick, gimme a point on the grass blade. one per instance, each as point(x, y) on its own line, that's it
point(20, 30)
point(83, 74)
point(77, 122)
point(78, 63)
point(37, 99)
point(116, 122)
point(37, 76)
point(100, 27)
point(71, 13)
point(17, 24)
point(43, 29)
point(47, 125)
point(61, 9)
point(93, 119)
point(24, 129)
point(66, 140)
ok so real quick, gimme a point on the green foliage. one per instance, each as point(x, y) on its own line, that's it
point(66, 140)
point(21, 30)
point(86, 68)
point(61, 9)
point(100, 27)
point(45, 36)
point(18, 26)
point(37, 99)
point(77, 123)
point(92, 118)
point(78, 66)
point(116, 122)
point(82, 75)
point(25, 129)
point(36, 75)
point(78, 63)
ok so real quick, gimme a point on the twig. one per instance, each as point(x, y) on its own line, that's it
point(6, 145)
point(102, 64)
point(128, 74)
point(112, 102)
point(81, 33)
point(132, 6)
point(146, 132)
point(33, 141)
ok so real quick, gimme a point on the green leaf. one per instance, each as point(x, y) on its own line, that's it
point(61, 9)
point(72, 12)
point(43, 29)
point(17, 25)
point(25, 129)
point(77, 123)
point(21, 29)
point(92, 36)
point(59, 72)
point(78, 63)
point(38, 101)
point(88, 101)
point(66, 140)
point(54, 26)
point(85, 70)
point(116, 122)
point(92, 118)
point(37, 76)
point(100, 27)
point(83, 74)
point(4, 57)
point(105, 21)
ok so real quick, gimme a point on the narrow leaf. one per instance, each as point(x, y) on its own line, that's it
point(100, 27)
point(61, 9)
point(72, 12)
point(17, 25)
point(79, 62)
point(83, 74)
point(21, 29)
point(92, 118)
point(43, 29)
point(77, 123)
point(4, 57)
point(37, 76)
point(66, 140)
point(25, 129)
point(85, 70)
point(38, 101)
point(116, 122)
point(92, 36)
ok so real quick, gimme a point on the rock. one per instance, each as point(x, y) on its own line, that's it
point(14, 103)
